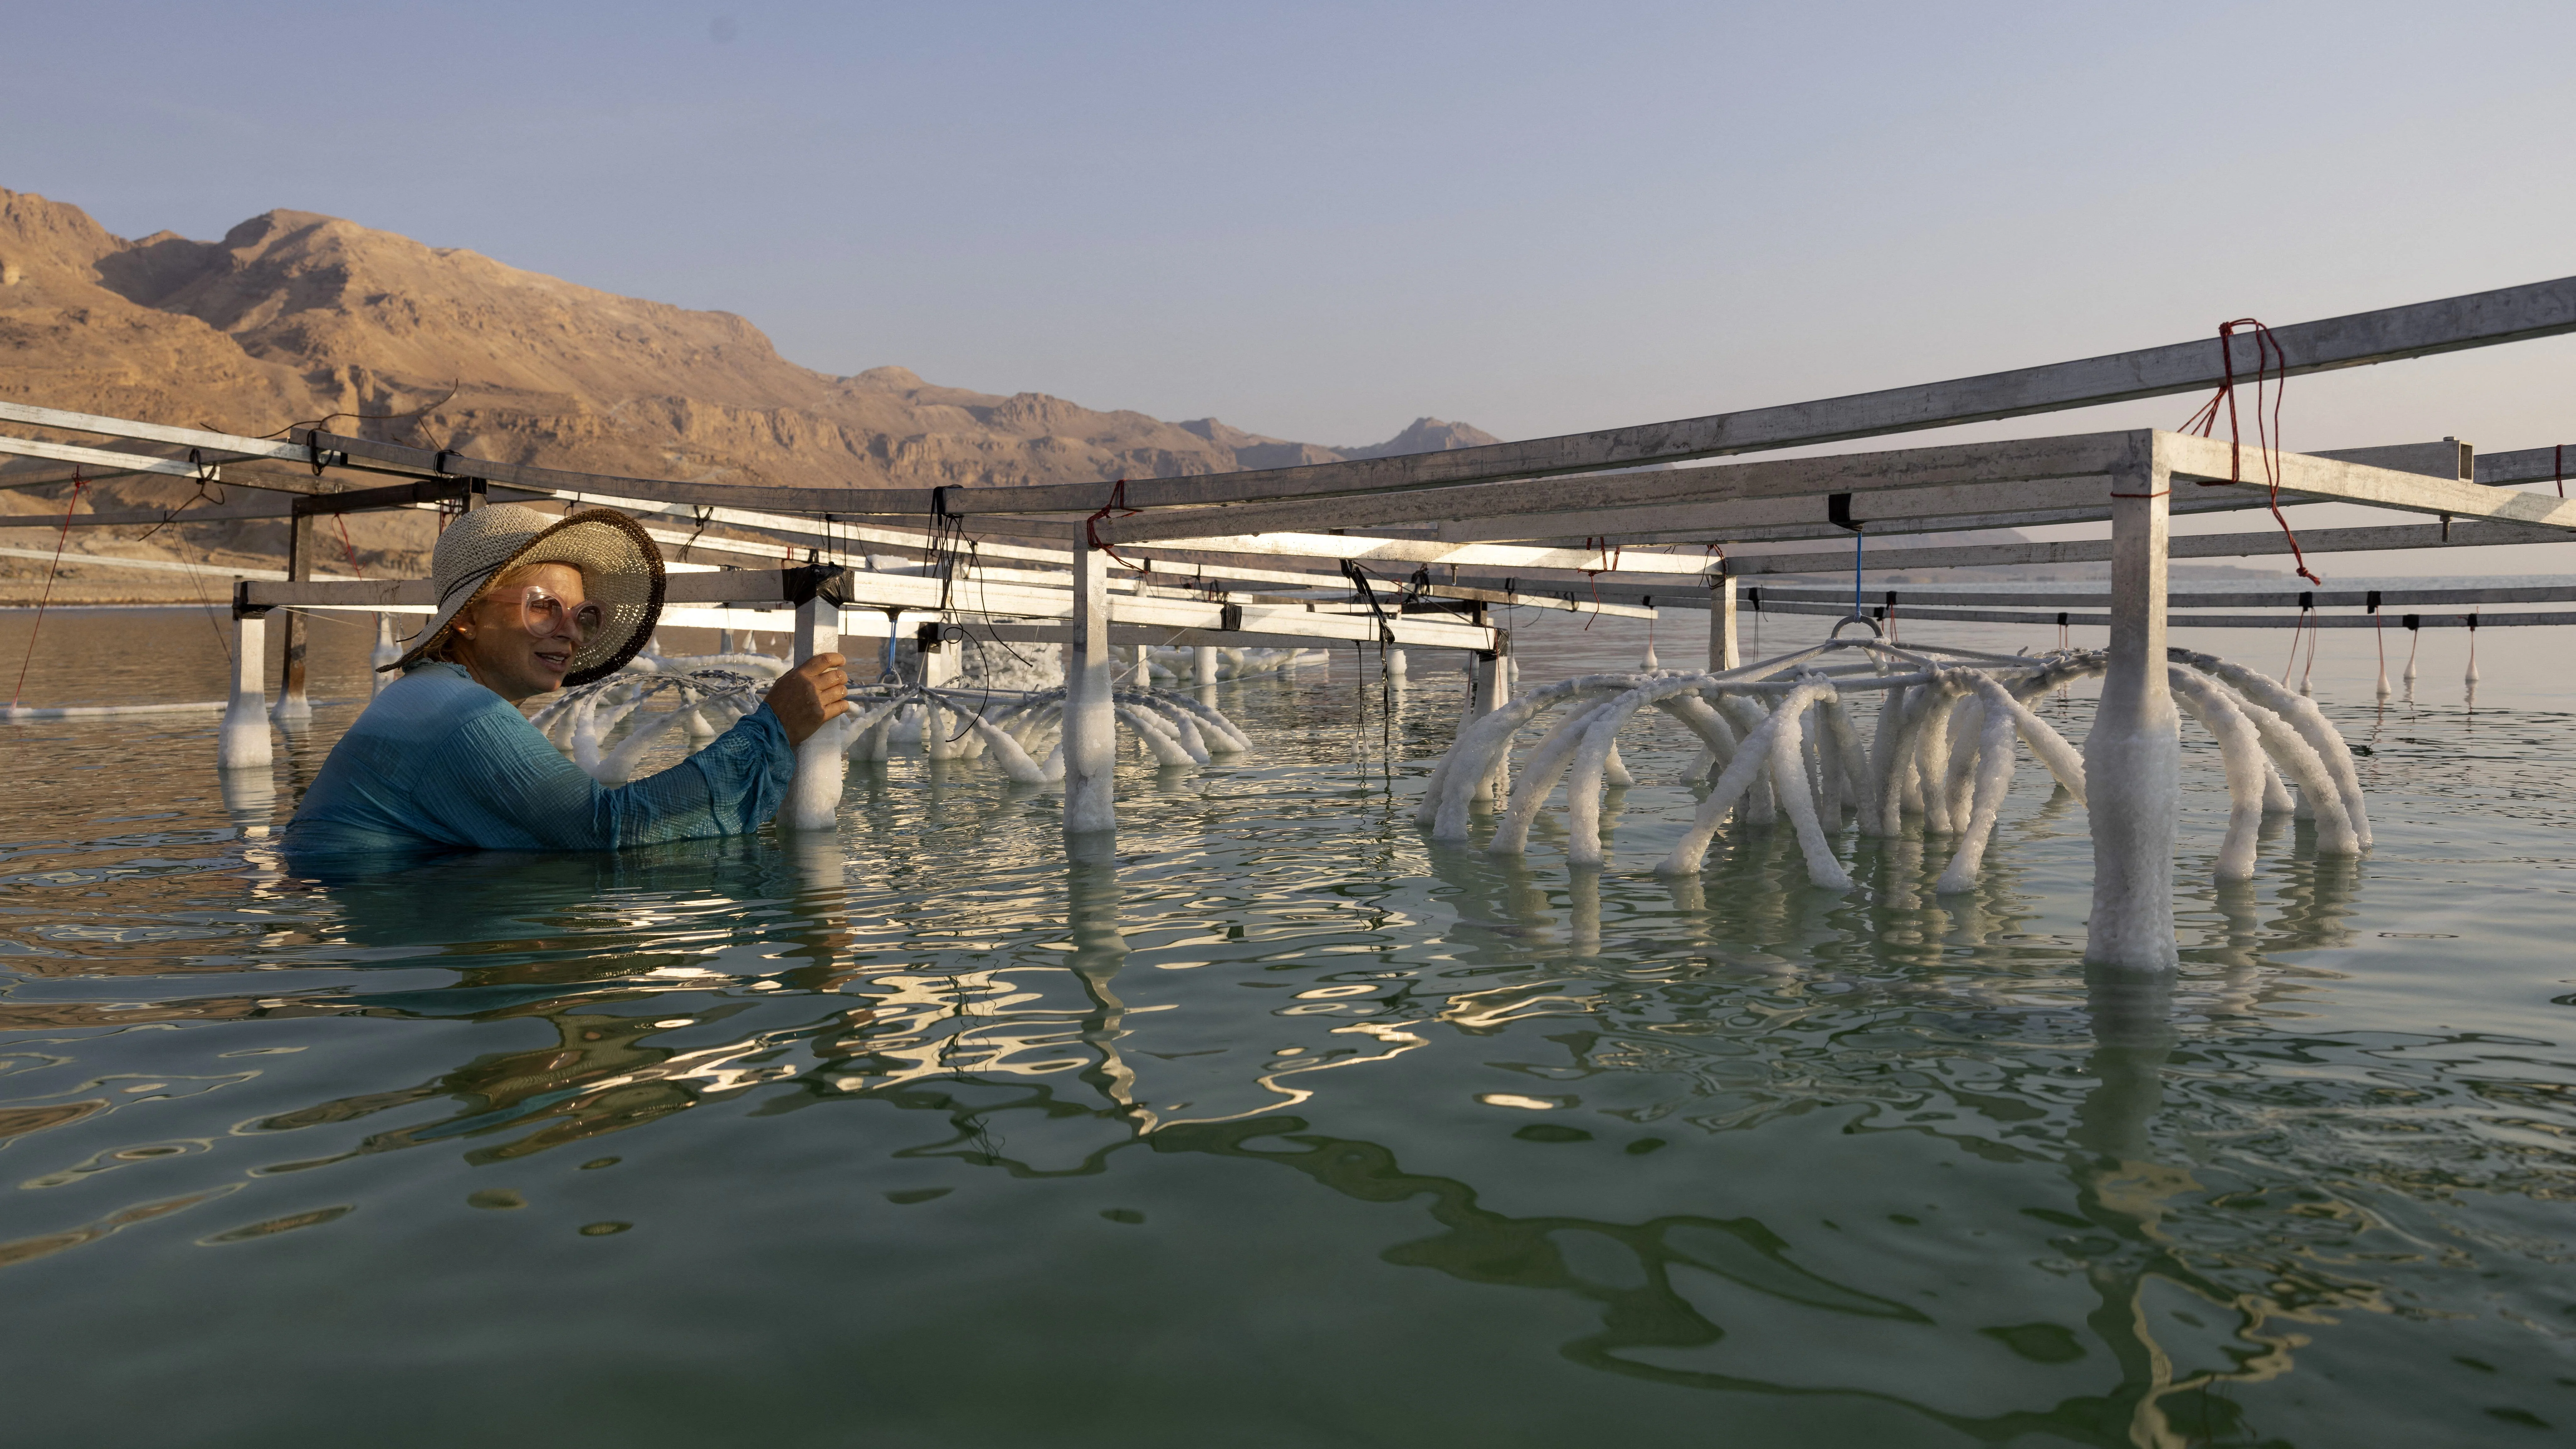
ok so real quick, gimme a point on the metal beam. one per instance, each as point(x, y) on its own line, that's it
point(2449, 620)
point(2186, 545)
point(2077, 455)
point(106, 459)
point(1953, 596)
point(107, 427)
point(2422, 329)
point(1956, 486)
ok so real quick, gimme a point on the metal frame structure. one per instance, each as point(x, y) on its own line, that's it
point(1607, 513)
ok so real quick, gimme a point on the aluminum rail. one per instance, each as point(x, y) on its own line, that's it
point(2203, 621)
point(2421, 329)
point(1909, 599)
point(880, 593)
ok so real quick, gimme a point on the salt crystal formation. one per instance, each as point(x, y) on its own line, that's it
point(1780, 738)
point(707, 693)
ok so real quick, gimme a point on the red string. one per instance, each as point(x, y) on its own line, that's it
point(61, 537)
point(1609, 561)
point(354, 570)
point(2268, 358)
point(1091, 526)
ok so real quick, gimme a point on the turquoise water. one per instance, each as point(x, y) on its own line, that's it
point(1280, 1125)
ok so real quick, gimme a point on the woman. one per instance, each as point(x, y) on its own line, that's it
point(527, 605)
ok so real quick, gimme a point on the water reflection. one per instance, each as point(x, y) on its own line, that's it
point(1727, 1134)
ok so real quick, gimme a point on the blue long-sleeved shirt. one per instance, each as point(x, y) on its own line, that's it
point(438, 760)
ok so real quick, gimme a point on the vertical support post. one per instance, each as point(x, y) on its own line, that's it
point(939, 737)
point(814, 799)
point(1722, 652)
point(1395, 664)
point(1492, 690)
point(243, 744)
point(387, 650)
point(1090, 744)
point(2133, 757)
point(1205, 659)
point(292, 706)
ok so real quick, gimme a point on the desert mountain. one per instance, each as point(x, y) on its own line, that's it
point(294, 316)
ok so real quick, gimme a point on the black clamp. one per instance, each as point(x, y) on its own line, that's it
point(1229, 617)
point(243, 608)
point(2370, 604)
point(1838, 511)
point(810, 581)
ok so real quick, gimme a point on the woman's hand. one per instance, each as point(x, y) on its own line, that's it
point(812, 692)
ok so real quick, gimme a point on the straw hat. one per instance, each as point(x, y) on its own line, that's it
point(621, 571)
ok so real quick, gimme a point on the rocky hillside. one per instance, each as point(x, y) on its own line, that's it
point(295, 317)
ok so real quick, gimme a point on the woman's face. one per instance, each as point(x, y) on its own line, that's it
point(493, 642)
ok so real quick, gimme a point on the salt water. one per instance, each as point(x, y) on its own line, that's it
point(1280, 1124)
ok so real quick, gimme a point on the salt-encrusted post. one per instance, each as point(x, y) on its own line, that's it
point(243, 744)
point(940, 659)
point(387, 650)
point(1722, 653)
point(1205, 659)
point(292, 705)
point(1493, 690)
point(1090, 744)
point(814, 800)
point(2133, 757)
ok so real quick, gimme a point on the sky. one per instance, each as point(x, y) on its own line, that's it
point(1320, 221)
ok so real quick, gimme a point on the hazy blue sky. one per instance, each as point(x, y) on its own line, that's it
point(1321, 220)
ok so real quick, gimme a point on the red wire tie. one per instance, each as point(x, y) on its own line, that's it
point(61, 537)
point(2267, 439)
point(347, 548)
point(1091, 526)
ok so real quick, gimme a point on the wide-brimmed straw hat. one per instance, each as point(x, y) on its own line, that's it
point(621, 571)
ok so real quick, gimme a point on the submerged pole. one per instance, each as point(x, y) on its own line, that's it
point(814, 799)
point(243, 744)
point(1493, 690)
point(1090, 744)
point(1722, 651)
point(1205, 659)
point(2133, 758)
point(292, 706)
point(387, 650)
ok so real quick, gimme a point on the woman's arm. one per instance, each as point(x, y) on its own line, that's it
point(499, 785)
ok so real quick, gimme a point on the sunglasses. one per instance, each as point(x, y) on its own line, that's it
point(546, 616)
